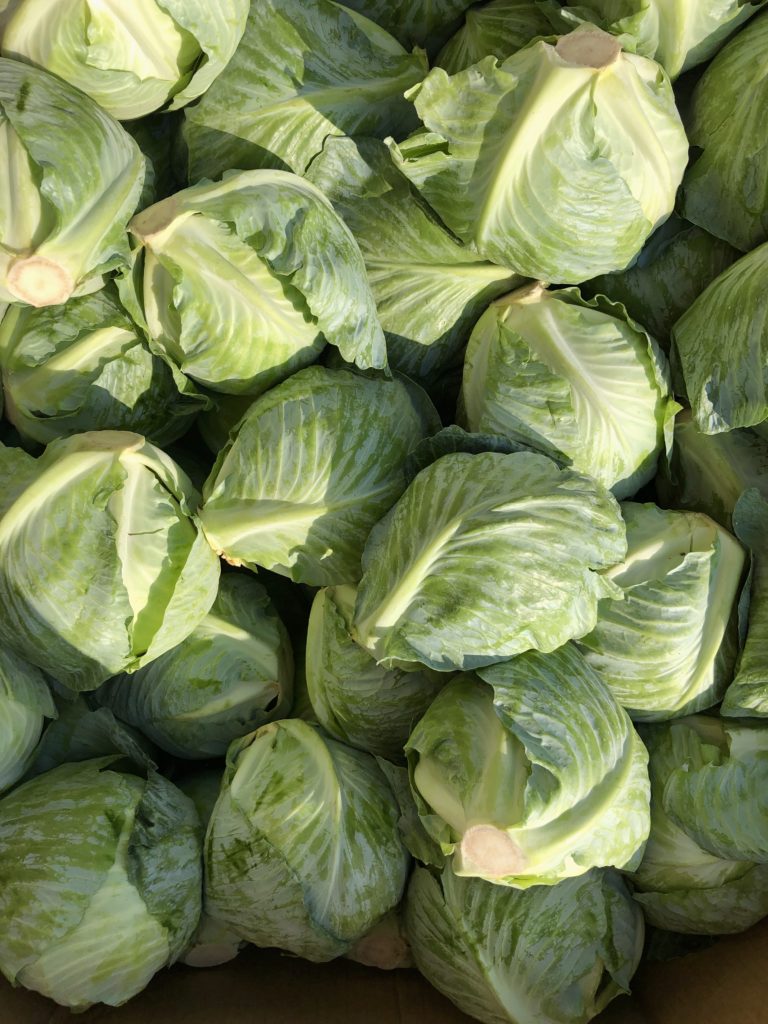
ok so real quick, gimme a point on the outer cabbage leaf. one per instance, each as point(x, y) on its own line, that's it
point(303, 850)
point(25, 703)
point(296, 494)
point(417, 840)
point(726, 187)
point(678, 35)
point(574, 379)
point(71, 179)
point(214, 942)
point(87, 366)
point(454, 439)
point(669, 647)
point(233, 673)
point(429, 288)
point(354, 699)
point(413, 22)
point(559, 162)
point(709, 472)
point(682, 886)
point(103, 566)
point(242, 282)
point(676, 265)
point(748, 693)
point(498, 29)
point(498, 954)
point(719, 795)
point(304, 70)
point(80, 733)
point(101, 881)
point(486, 556)
point(128, 58)
point(538, 778)
point(732, 907)
point(721, 346)
point(726, 476)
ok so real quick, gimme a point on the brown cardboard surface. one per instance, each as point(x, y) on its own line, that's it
point(725, 984)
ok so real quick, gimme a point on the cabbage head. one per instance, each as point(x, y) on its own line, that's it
point(101, 881)
point(354, 699)
point(130, 58)
point(87, 366)
point(303, 850)
point(103, 566)
point(242, 282)
point(486, 556)
point(558, 162)
point(705, 869)
point(532, 773)
point(726, 187)
point(61, 230)
point(720, 345)
point(667, 647)
point(313, 464)
point(499, 956)
point(233, 673)
point(575, 379)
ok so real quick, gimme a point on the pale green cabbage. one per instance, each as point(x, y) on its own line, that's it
point(61, 229)
point(550, 955)
point(558, 162)
point(572, 378)
point(726, 188)
point(705, 869)
point(721, 347)
point(486, 556)
point(233, 673)
point(131, 58)
point(101, 881)
point(304, 70)
point(342, 441)
point(533, 775)
point(302, 850)
point(242, 282)
point(354, 699)
point(668, 646)
point(103, 566)
point(87, 366)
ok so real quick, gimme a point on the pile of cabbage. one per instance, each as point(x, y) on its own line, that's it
point(383, 489)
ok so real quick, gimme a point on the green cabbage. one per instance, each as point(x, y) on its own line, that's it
point(559, 162)
point(101, 873)
point(532, 776)
point(131, 58)
point(302, 850)
point(61, 229)
point(103, 566)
